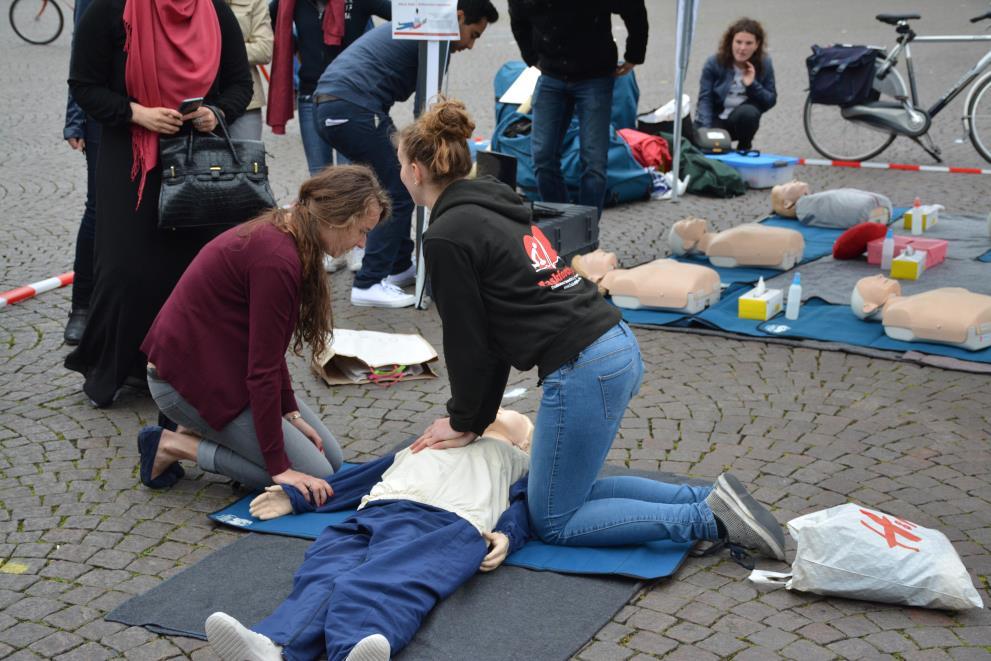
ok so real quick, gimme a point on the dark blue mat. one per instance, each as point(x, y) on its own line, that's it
point(820, 320)
point(723, 315)
point(652, 317)
point(986, 257)
point(647, 561)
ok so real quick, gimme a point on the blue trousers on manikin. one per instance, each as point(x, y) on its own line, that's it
point(379, 571)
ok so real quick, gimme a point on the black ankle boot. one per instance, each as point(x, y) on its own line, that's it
point(75, 326)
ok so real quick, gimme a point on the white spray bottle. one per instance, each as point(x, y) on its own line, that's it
point(887, 250)
point(794, 298)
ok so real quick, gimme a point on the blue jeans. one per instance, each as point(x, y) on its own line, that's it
point(580, 411)
point(82, 284)
point(366, 137)
point(554, 103)
point(318, 153)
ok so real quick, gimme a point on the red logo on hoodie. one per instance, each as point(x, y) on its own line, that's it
point(540, 251)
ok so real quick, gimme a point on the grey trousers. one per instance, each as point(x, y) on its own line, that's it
point(248, 126)
point(233, 451)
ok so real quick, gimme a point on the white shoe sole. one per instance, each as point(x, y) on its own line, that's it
point(371, 648)
point(229, 639)
point(746, 511)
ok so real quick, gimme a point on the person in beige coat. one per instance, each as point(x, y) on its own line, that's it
point(256, 26)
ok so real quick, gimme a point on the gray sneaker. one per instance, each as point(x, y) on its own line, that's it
point(748, 523)
point(371, 648)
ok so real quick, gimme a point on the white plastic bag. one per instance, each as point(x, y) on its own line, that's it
point(860, 553)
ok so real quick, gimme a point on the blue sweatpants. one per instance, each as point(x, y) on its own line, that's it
point(379, 571)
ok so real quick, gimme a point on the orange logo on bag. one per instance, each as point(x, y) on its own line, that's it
point(890, 530)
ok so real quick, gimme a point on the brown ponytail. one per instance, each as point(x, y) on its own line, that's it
point(438, 140)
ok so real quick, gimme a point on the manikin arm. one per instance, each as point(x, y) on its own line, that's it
point(515, 521)
point(349, 488)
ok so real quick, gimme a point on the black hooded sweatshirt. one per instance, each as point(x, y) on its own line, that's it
point(504, 295)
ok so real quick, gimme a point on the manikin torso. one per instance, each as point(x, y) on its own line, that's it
point(751, 244)
point(663, 284)
point(948, 315)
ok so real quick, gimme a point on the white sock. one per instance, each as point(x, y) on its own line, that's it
point(232, 641)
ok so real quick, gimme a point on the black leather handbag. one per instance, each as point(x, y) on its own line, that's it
point(211, 180)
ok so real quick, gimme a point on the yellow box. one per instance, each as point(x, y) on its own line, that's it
point(760, 306)
point(928, 212)
point(909, 267)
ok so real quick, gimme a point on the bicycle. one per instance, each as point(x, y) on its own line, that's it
point(37, 22)
point(860, 132)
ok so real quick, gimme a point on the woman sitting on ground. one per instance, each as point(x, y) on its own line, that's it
point(216, 351)
point(737, 84)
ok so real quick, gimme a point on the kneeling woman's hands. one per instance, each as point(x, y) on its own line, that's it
point(440, 435)
point(498, 548)
point(315, 490)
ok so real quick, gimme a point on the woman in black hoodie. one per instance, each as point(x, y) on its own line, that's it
point(506, 299)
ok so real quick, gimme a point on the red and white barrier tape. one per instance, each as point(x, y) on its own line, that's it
point(35, 288)
point(892, 166)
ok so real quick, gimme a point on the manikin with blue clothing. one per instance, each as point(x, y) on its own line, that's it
point(426, 522)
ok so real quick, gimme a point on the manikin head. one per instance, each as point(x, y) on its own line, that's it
point(511, 427)
point(594, 266)
point(784, 197)
point(686, 234)
point(870, 294)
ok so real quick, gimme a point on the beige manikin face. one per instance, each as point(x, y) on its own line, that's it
point(595, 264)
point(686, 233)
point(511, 427)
point(871, 293)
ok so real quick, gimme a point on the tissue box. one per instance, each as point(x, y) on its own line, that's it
point(909, 267)
point(928, 212)
point(761, 306)
point(935, 249)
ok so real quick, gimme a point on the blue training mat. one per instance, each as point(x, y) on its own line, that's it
point(647, 561)
point(986, 257)
point(819, 320)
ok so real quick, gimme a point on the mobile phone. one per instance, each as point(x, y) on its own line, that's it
point(189, 105)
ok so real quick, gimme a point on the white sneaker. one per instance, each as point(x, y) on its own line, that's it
point(381, 295)
point(371, 648)
point(232, 641)
point(354, 259)
point(332, 264)
point(404, 279)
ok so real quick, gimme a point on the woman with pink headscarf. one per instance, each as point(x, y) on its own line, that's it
point(133, 63)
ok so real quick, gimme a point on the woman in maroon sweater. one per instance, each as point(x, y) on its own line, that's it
point(216, 352)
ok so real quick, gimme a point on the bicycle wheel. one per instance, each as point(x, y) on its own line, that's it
point(36, 21)
point(979, 116)
point(841, 140)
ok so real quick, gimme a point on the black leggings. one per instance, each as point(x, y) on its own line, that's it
point(742, 124)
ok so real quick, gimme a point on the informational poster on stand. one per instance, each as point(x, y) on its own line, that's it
point(434, 20)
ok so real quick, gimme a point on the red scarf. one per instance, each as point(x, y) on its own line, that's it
point(173, 53)
point(280, 86)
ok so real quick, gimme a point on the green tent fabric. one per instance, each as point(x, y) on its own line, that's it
point(709, 176)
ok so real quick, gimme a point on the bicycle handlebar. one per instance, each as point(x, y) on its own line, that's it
point(977, 19)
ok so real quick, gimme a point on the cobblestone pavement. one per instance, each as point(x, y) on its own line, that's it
point(808, 429)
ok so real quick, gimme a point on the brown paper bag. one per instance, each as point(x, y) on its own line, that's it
point(353, 355)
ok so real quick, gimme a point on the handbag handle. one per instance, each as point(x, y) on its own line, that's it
point(226, 136)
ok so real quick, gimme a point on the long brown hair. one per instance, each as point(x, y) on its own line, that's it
point(337, 197)
point(438, 140)
point(725, 53)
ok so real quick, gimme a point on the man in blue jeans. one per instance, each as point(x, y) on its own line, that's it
point(352, 99)
point(572, 45)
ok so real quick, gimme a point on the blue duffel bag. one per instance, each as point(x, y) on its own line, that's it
point(841, 75)
point(626, 180)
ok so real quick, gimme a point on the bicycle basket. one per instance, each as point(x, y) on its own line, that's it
point(841, 75)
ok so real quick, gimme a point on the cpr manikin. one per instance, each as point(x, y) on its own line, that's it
point(784, 198)
point(663, 284)
point(948, 315)
point(745, 245)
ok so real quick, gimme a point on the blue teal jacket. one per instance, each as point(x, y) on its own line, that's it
point(714, 88)
point(75, 118)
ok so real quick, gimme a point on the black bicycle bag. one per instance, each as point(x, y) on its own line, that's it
point(841, 75)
